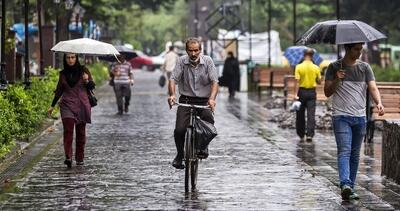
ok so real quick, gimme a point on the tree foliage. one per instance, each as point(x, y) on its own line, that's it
point(148, 23)
point(379, 14)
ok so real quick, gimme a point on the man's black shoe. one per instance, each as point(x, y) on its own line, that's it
point(203, 154)
point(68, 163)
point(177, 163)
point(126, 109)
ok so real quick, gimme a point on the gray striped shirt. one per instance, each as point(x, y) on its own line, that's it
point(195, 81)
point(125, 73)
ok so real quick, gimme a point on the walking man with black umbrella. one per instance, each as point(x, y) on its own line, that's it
point(347, 81)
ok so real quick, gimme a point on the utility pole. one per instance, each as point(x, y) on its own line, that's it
point(56, 56)
point(338, 18)
point(294, 22)
point(269, 32)
point(250, 32)
point(26, 73)
point(3, 81)
point(39, 11)
point(196, 18)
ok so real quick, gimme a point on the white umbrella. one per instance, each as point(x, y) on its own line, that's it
point(85, 46)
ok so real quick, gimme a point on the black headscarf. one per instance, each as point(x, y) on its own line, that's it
point(72, 73)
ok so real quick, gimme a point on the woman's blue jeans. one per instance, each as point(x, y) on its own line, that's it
point(349, 133)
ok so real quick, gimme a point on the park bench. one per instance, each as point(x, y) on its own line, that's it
point(290, 90)
point(271, 78)
point(390, 96)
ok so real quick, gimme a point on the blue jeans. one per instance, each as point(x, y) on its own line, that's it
point(349, 133)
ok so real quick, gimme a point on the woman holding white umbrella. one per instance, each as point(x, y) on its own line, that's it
point(73, 85)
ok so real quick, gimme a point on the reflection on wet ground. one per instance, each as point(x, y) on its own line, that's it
point(321, 156)
point(253, 164)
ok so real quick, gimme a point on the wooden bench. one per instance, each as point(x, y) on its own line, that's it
point(390, 96)
point(270, 77)
point(291, 85)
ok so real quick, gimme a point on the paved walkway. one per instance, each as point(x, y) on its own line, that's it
point(253, 164)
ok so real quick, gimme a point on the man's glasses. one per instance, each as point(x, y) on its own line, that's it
point(70, 57)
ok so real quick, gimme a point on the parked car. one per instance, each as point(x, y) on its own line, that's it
point(142, 61)
point(158, 60)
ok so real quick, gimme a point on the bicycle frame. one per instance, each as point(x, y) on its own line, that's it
point(190, 149)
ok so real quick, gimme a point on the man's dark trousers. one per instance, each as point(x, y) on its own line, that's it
point(307, 97)
point(183, 119)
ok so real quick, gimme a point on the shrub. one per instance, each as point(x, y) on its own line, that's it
point(389, 74)
point(8, 122)
point(22, 111)
point(99, 73)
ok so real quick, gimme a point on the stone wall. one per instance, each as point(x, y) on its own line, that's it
point(391, 150)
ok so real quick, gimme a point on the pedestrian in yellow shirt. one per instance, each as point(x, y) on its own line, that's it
point(308, 76)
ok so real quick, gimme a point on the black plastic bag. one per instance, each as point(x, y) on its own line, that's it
point(222, 81)
point(205, 132)
point(162, 80)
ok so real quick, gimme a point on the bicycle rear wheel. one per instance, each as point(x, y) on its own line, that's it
point(188, 156)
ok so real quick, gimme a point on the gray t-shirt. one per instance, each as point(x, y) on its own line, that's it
point(195, 81)
point(350, 96)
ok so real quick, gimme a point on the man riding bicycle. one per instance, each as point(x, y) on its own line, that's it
point(197, 80)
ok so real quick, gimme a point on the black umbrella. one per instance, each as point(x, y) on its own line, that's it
point(340, 32)
point(123, 50)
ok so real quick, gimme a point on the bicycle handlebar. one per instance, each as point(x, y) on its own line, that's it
point(192, 105)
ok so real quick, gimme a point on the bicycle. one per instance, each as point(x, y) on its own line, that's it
point(190, 148)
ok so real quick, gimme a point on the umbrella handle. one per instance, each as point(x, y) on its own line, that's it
point(116, 57)
point(341, 68)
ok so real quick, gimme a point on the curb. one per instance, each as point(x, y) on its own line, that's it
point(21, 155)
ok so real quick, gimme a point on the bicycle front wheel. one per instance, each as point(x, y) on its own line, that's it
point(193, 173)
point(188, 156)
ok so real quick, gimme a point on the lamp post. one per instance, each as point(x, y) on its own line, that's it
point(338, 18)
point(269, 31)
point(26, 57)
point(294, 22)
point(250, 32)
point(69, 4)
point(3, 81)
point(56, 57)
point(196, 18)
point(39, 11)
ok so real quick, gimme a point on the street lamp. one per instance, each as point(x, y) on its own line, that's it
point(57, 2)
point(39, 11)
point(26, 74)
point(3, 81)
point(69, 4)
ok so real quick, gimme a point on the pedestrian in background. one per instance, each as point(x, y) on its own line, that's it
point(197, 80)
point(123, 80)
point(171, 57)
point(73, 84)
point(347, 81)
point(308, 75)
point(231, 74)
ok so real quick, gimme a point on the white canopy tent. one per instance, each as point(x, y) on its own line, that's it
point(259, 46)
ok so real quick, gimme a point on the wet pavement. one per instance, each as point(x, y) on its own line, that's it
point(253, 164)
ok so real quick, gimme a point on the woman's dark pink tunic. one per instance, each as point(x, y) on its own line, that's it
point(74, 100)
